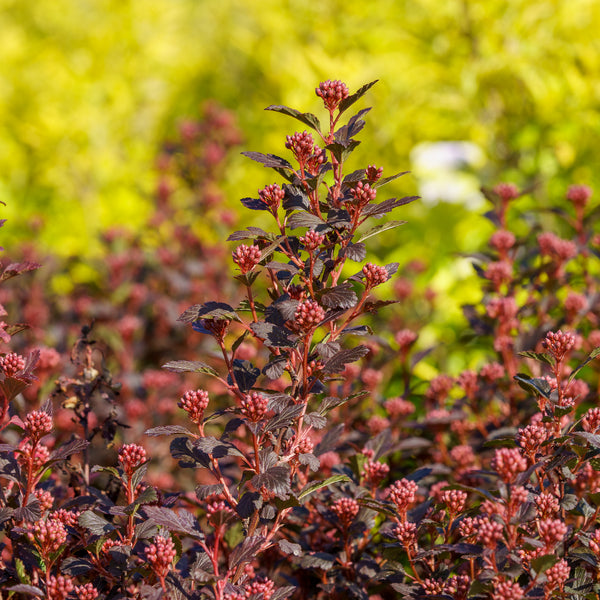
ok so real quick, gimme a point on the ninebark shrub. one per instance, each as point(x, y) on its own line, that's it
point(293, 474)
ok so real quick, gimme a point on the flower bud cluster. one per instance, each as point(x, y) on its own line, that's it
point(373, 173)
point(502, 240)
point(346, 510)
point(194, 403)
point(402, 493)
point(312, 240)
point(559, 344)
point(160, 555)
point(59, 587)
point(508, 463)
point(272, 195)
point(374, 275)
point(556, 248)
point(557, 575)
point(591, 420)
point(49, 534)
point(308, 315)
point(11, 364)
point(301, 145)
point(86, 592)
point(246, 257)
point(131, 456)
point(254, 406)
point(375, 472)
point(38, 457)
point(507, 590)
point(38, 424)
point(579, 195)
point(531, 438)
point(398, 407)
point(363, 193)
point(332, 92)
point(260, 588)
point(454, 500)
point(552, 532)
point(488, 532)
point(406, 533)
point(507, 191)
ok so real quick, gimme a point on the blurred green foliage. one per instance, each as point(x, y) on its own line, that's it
point(90, 88)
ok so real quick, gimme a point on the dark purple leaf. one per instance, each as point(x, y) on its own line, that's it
point(209, 310)
point(340, 296)
point(318, 560)
point(275, 368)
point(165, 517)
point(378, 210)
point(167, 430)
point(285, 418)
point(274, 336)
point(204, 491)
point(75, 566)
point(68, 449)
point(327, 349)
point(385, 180)
point(314, 486)
point(6, 513)
point(304, 219)
point(380, 229)
point(248, 504)
point(276, 479)
point(537, 386)
point(315, 420)
point(295, 198)
point(355, 176)
point(216, 448)
point(269, 160)
point(308, 458)
point(182, 449)
point(336, 363)
point(248, 234)
point(246, 550)
point(344, 135)
point(245, 374)
point(306, 118)
point(290, 548)
point(29, 590)
point(17, 268)
point(356, 252)
point(346, 103)
point(279, 266)
point(96, 524)
point(254, 204)
point(331, 440)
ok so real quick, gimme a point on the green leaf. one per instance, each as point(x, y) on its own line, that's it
point(346, 103)
point(307, 118)
point(542, 563)
point(593, 354)
point(317, 485)
point(539, 356)
point(539, 387)
point(380, 229)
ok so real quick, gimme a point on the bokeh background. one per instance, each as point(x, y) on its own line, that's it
point(91, 89)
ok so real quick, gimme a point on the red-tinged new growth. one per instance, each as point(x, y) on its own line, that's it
point(346, 510)
point(374, 275)
point(246, 257)
point(254, 406)
point(38, 424)
point(131, 456)
point(11, 364)
point(308, 315)
point(160, 555)
point(373, 173)
point(332, 92)
point(194, 403)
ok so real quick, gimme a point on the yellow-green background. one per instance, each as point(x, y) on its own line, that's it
point(89, 89)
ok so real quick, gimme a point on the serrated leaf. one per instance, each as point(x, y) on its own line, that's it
point(274, 336)
point(204, 491)
point(167, 430)
point(276, 479)
point(593, 354)
point(340, 296)
point(95, 523)
point(539, 356)
point(318, 560)
point(380, 229)
point(315, 486)
point(188, 366)
point(378, 210)
point(304, 219)
point(275, 368)
point(385, 180)
point(306, 118)
point(246, 551)
point(172, 521)
point(537, 386)
point(254, 204)
point(285, 418)
point(63, 452)
point(245, 374)
point(337, 362)
point(542, 563)
point(346, 103)
point(356, 252)
point(315, 420)
point(290, 548)
point(247, 234)
point(330, 403)
point(17, 268)
point(269, 160)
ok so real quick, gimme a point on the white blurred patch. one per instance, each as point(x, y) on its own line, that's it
point(445, 172)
